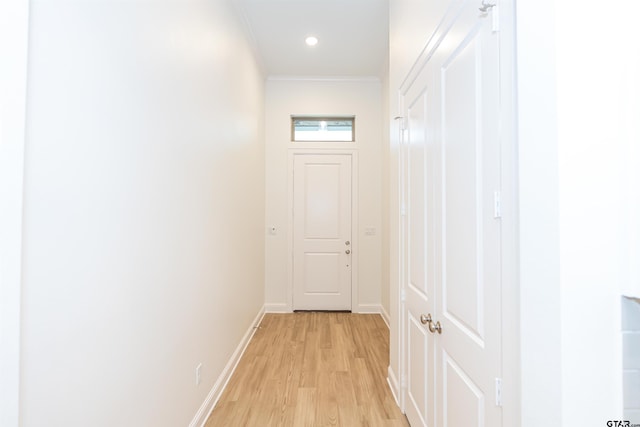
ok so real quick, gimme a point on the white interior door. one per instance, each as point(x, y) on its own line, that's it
point(469, 306)
point(452, 230)
point(322, 248)
point(420, 165)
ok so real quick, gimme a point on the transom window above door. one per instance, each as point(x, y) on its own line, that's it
point(323, 129)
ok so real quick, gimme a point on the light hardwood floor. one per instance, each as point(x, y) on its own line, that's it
point(312, 369)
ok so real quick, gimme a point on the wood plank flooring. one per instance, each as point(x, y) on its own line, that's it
point(312, 369)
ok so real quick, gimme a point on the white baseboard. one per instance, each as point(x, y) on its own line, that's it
point(369, 308)
point(393, 385)
point(218, 387)
point(277, 308)
point(361, 309)
point(385, 316)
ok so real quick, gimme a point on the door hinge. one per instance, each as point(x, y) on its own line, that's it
point(401, 122)
point(493, 7)
point(403, 295)
point(403, 210)
point(498, 391)
point(497, 204)
point(403, 381)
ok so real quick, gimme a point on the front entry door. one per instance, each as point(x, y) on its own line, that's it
point(452, 230)
point(322, 248)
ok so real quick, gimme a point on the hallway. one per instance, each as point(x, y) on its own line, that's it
point(312, 369)
point(147, 174)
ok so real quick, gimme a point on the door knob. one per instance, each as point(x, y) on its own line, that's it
point(426, 319)
point(347, 243)
point(347, 252)
point(437, 328)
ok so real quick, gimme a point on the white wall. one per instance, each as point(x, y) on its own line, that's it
point(14, 25)
point(578, 91)
point(594, 120)
point(144, 201)
point(540, 297)
point(335, 97)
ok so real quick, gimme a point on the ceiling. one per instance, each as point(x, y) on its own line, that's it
point(353, 36)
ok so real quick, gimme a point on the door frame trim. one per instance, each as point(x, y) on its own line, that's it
point(14, 81)
point(292, 153)
point(510, 292)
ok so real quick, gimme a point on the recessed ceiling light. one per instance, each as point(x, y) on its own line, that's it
point(311, 41)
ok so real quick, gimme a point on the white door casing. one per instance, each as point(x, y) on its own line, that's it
point(451, 229)
point(322, 242)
